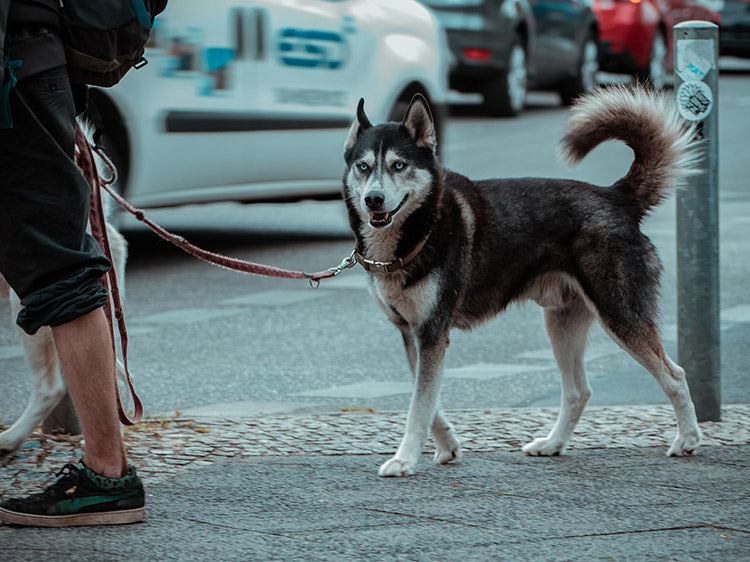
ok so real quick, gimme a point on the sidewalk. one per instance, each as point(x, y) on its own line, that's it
point(305, 487)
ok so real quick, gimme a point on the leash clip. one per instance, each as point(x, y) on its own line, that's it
point(347, 263)
point(108, 162)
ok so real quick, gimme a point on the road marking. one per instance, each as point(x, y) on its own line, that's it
point(729, 318)
point(592, 353)
point(736, 314)
point(485, 371)
point(246, 408)
point(188, 316)
point(272, 298)
point(11, 351)
point(365, 389)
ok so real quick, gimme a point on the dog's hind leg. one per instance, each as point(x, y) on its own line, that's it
point(448, 445)
point(644, 345)
point(431, 346)
point(623, 287)
point(48, 386)
point(568, 328)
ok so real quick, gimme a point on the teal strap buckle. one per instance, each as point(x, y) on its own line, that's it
point(10, 81)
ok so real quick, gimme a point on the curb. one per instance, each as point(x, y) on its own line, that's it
point(164, 448)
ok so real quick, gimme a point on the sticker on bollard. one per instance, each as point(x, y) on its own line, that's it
point(694, 100)
point(694, 58)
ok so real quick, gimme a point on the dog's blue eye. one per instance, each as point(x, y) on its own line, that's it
point(399, 166)
point(363, 167)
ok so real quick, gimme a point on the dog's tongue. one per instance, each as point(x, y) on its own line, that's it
point(379, 217)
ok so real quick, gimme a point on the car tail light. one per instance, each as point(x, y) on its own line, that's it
point(476, 54)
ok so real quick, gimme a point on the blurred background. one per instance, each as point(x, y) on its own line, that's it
point(229, 95)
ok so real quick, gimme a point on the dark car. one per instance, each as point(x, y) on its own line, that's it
point(503, 48)
point(734, 29)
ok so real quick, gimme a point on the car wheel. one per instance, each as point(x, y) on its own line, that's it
point(505, 96)
point(656, 73)
point(585, 79)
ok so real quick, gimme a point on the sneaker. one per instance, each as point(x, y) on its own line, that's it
point(80, 497)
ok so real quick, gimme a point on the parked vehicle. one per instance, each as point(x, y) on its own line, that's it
point(635, 36)
point(734, 29)
point(503, 48)
point(251, 100)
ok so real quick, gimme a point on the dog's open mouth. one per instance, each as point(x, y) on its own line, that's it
point(379, 220)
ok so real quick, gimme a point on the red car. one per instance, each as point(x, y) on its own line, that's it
point(635, 36)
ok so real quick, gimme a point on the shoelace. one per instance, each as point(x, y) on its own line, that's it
point(68, 476)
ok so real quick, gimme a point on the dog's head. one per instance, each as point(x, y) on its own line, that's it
point(391, 169)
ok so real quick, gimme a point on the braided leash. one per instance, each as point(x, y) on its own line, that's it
point(85, 161)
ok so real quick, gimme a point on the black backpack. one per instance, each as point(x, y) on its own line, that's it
point(106, 38)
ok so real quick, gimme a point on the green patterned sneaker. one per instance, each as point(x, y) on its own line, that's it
point(79, 497)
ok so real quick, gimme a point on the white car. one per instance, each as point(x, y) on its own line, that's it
point(251, 100)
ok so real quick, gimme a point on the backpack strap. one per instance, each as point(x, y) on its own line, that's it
point(10, 67)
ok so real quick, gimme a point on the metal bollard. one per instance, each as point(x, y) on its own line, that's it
point(698, 346)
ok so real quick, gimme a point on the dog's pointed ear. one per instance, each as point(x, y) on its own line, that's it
point(361, 123)
point(420, 124)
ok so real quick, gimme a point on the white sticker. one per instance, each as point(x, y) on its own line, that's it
point(694, 100)
point(694, 58)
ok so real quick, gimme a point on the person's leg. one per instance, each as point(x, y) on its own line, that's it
point(88, 365)
point(55, 266)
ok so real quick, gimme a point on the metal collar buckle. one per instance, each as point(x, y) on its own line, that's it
point(380, 266)
point(390, 266)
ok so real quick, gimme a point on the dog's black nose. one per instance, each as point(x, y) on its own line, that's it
point(374, 200)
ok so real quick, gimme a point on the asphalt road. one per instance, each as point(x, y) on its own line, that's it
point(205, 340)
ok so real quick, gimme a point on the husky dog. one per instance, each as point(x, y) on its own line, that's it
point(48, 387)
point(444, 251)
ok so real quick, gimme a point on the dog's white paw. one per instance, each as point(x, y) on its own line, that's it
point(10, 442)
point(447, 452)
point(397, 467)
point(684, 445)
point(544, 447)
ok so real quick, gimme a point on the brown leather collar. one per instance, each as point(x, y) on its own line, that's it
point(390, 266)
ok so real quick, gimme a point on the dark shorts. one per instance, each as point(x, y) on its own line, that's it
point(46, 255)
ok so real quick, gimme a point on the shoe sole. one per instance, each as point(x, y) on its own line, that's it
point(121, 517)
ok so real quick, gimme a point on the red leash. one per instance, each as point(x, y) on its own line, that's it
point(86, 163)
point(212, 257)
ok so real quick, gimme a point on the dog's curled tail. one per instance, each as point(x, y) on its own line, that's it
point(666, 152)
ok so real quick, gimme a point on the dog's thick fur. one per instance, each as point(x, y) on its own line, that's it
point(48, 387)
point(574, 248)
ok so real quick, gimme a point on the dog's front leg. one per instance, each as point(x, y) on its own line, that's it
point(431, 348)
point(448, 445)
